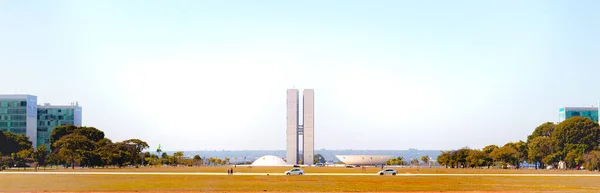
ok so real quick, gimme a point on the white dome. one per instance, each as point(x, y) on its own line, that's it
point(269, 160)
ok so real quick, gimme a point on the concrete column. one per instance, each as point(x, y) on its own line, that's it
point(309, 126)
point(292, 127)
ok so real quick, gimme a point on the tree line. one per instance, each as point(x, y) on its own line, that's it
point(412, 161)
point(573, 142)
point(70, 145)
point(87, 147)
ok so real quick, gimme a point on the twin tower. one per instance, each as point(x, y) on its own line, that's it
point(300, 130)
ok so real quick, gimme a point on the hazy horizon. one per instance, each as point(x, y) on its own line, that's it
point(387, 74)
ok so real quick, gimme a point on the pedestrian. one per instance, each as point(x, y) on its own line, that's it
point(231, 171)
point(228, 171)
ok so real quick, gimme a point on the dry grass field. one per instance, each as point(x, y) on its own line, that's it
point(263, 183)
point(165, 183)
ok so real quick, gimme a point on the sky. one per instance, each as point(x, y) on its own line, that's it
point(212, 75)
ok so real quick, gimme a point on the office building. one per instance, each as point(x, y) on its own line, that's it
point(18, 114)
point(568, 112)
point(51, 116)
point(300, 130)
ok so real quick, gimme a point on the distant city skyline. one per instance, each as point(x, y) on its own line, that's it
point(195, 75)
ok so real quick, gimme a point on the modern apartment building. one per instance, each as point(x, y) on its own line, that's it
point(18, 114)
point(568, 112)
point(51, 116)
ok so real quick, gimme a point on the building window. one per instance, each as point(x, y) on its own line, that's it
point(23, 103)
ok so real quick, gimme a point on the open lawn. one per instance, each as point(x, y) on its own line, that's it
point(178, 183)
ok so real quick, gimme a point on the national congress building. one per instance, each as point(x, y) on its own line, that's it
point(300, 130)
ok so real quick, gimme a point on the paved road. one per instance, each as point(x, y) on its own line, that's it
point(280, 174)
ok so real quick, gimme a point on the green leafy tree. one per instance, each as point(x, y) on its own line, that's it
point(40, 156)
point(425, 159)
point(137, 146)
point(23, 157)
point(592, 160)
point(178, 156)
point(59, 132)
point(476, 158)
point(318, 158)
point(12, 143)
point(460, 157)
point(521, 155)
point(539, 148)
point(505, 155)
point(489, 161)
point(72, 148)
point(414, 161)
point(544, 130)
point(395, 161)
point(576, 132)
point(119, 154)
point(574, 158)
point(197, 160)
point(552, 159)
point(91, 133)
point(445, 159)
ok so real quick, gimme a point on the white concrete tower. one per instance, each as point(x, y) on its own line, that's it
point(291, 154)
point(308, 112)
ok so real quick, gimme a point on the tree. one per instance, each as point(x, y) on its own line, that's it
point(489, 161)
point(72, 148)
point(539, 148)
point(3, 144)
point(460, 157)
point(197, 160)
point(574, 158)
point(414, 161)
point(445, 159)
point(23, 157)
point(177, 157)
point(12, 143)
point(476, 158)
point(318, 158)
point(395, 161)
point(592, 160)
point(544, 130)
point(40, 156)
point(59, 132)
point(90, 132)
point(521, 155)
point(506, 155)
point(425, 159)
point(137, 147)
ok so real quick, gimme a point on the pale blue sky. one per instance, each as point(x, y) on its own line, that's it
point(195, 75)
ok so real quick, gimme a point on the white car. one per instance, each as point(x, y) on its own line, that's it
point(388, 171)
point(295, 171)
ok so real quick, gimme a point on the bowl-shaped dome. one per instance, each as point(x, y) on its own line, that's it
point(269, 160)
